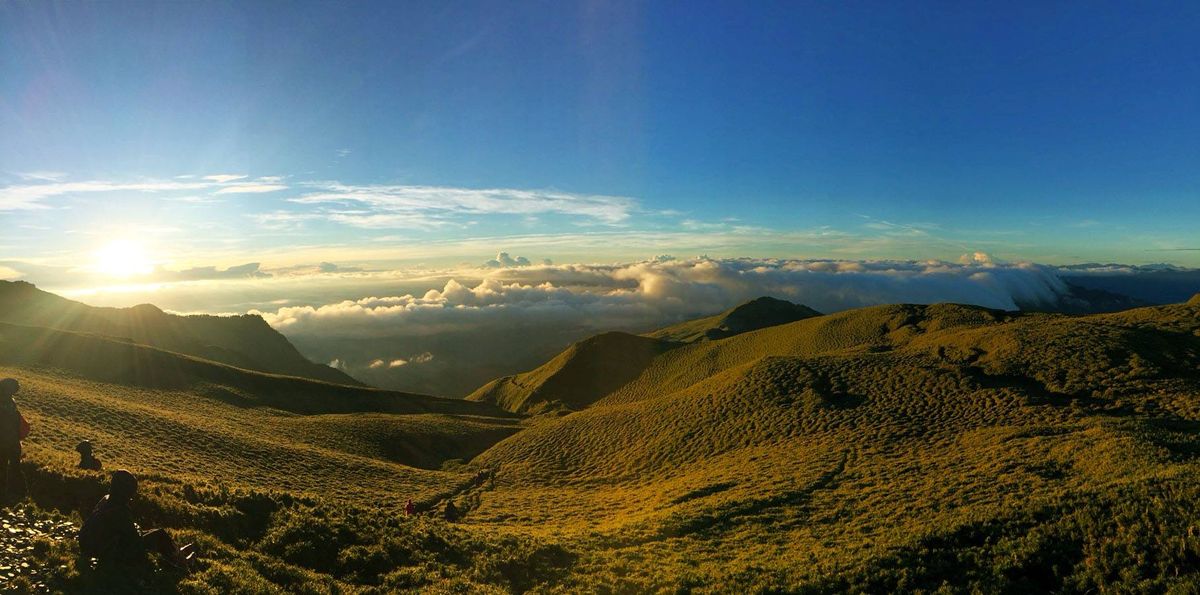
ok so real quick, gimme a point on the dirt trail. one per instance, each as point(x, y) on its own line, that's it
point(19, 528)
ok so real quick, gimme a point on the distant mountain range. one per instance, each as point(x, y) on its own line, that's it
point(245, 341)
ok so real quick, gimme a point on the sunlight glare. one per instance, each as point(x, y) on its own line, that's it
point(123, 258)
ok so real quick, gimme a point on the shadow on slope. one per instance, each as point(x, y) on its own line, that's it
point(244, 341)
point(114, 361)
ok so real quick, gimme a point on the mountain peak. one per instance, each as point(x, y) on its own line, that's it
point(748, 316)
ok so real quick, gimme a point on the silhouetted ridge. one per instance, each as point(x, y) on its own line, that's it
point(755, 314)
point(117, 361)
point(246, 341)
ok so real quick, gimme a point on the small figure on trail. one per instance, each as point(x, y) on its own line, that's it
point(111, 537)
point(450, 513)
point(410, 508)
point(13, 428)
point(86, 459)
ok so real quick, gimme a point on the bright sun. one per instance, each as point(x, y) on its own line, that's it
point(123, 258)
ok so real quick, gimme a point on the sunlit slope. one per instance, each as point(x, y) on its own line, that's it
point(178, 416)
point(176, 434)
point(107, 360)
point(752, 315)
point(839, 452)
point(243, 341)
point(583, 373)
point(599, 365)
point(873, 329)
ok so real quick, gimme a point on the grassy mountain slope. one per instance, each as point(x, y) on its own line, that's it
point(266, 472)
point(898, 448)
point(752, 315)
point(865, 330)
point(122, 362)
point(242, 341)
point(575, 378)
point(599, 365)
point(883, 449)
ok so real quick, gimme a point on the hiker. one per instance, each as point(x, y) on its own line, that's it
point(410, 508)
point(111, 537)
point(450, 513)
point(12, 429)
point(86, 459)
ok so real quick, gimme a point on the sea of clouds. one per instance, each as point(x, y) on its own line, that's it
point(510, 315)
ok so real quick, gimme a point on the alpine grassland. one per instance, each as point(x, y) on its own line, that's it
point(902, 448)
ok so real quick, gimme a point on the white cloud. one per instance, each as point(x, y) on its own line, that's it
point(282, 220)
point(378, 206)
point(46, 185)
point(648, 293)
point(251, 188)
point(504, 261)
point(42, 176)
point(32, 196)
point(483, 323)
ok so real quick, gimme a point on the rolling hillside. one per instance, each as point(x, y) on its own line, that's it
point(583, 373)
point(839, 453)
point(597, 366)
point(900, 448)
point(243, 341)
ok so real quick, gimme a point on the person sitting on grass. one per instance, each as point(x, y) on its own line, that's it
point(87, 460)
point(111, 537)
point(11, 425)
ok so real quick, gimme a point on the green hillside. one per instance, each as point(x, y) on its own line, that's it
point(896, 448)
point(599, 365)
point(243, 341)
point(901, 448)
point(583, 373)
point(750, 316)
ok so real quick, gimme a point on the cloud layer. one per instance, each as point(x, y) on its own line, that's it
point(537, 310)
point(400, 206)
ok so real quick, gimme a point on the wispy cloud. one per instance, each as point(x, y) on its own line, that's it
point(282, 220)
point(43, 176)
point(251, 188)
point(43, 186)
point(223, 178)
point(383, 206)
point(33, 196)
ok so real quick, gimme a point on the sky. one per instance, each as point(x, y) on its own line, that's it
point(431, 132)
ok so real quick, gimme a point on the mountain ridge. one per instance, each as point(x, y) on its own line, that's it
point(245, 341)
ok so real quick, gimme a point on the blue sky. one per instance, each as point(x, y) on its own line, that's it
point(212, 134)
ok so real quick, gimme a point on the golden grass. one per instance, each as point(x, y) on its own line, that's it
point(889, 449)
